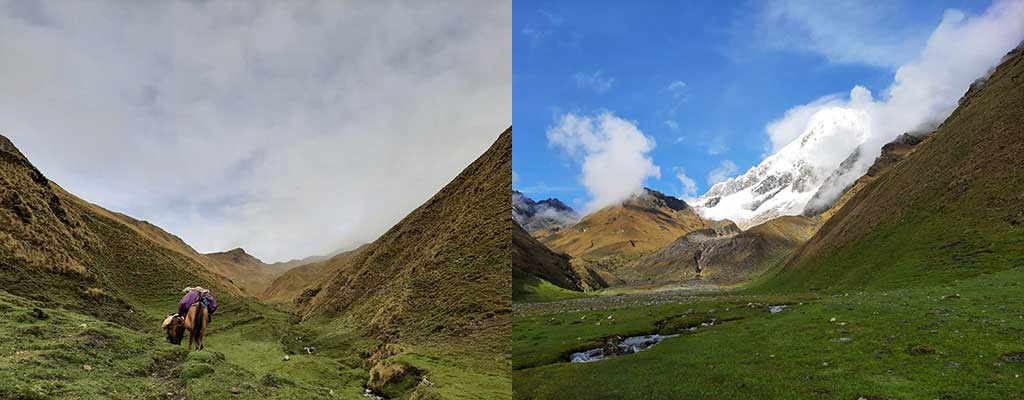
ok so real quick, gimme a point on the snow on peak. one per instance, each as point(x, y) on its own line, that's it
point(786, 181)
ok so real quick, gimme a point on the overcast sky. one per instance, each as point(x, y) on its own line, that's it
point(287, 128)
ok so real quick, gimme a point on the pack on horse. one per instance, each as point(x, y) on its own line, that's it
point(194, 311)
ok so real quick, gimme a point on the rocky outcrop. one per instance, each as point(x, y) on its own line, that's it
point(541, 217)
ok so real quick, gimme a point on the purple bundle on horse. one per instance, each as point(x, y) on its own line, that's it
point(196, 295)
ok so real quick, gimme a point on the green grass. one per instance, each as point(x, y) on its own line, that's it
point(77, 356)
point(74, 356)
point(535, 290)
point(916, 252)
point(792, 354)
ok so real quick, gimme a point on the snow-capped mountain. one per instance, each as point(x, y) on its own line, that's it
point(822, 159)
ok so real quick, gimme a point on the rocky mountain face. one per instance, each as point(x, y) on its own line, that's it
point(722, 253)
point(541, 217)
point(951, 208)
point(645, 222)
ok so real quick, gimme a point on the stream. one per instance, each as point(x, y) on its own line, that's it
point(615, 348)
point(369, 394)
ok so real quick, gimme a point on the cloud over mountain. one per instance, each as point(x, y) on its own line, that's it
point(612, 154)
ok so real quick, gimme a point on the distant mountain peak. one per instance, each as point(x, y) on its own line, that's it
point(784, 183)
point(650, 198)
point(238, 255)
point(545, 215)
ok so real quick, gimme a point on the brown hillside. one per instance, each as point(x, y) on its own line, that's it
point(311, 276)
point(244, 270)
point(444, 272)
point(643, 224)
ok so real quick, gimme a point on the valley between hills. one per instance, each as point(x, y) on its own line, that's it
point(423, 312)
point(904, 286)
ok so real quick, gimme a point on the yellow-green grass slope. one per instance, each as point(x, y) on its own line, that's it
point(437, 288)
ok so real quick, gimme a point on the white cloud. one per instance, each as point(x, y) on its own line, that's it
point(923, 92)
point(854, 31)
point(596, 81)
point(288, 128)
point(724, 171)
point(515, 178)
point(689, 185)
point(612, 153)
point(717, 145)
point(678, 89)
point(673, 125)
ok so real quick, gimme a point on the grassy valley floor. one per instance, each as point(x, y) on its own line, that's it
point(942, 341)
point(53, 353)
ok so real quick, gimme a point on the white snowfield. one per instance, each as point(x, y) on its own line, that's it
point(784, 183)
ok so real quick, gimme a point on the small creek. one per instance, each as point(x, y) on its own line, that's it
point(615, 348)
point(369, 394)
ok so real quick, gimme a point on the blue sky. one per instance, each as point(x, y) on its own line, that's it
point(702, 79)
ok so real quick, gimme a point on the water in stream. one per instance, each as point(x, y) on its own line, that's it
point(615, 348)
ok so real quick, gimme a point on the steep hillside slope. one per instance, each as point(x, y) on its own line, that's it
point(892, 154)
point(533, 265)
point(644, 223)
point(59, 249)
point(444, 271)
point(723, 253)
point(246, 271)
point(953, 208)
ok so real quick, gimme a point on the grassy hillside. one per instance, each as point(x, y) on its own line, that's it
point(436, 287)
point(539, 274)
point(950, 210)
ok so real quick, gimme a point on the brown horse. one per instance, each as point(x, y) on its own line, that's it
point(196, 320)
point(175, 327)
